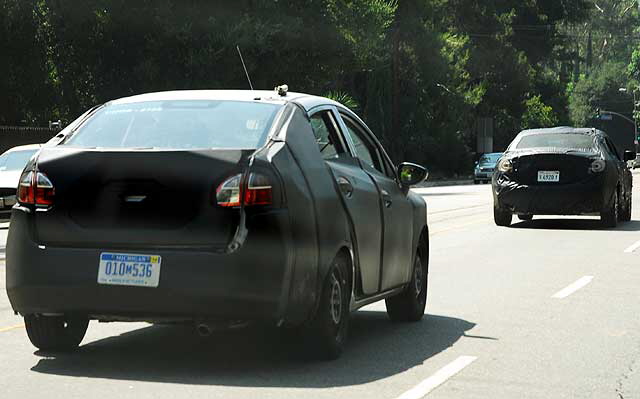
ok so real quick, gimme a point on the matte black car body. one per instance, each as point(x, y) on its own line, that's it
point(580, 190)
point(260, 263)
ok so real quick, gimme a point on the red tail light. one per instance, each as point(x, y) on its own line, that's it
point(258, 191)
point(26, 193)
point(35, 188)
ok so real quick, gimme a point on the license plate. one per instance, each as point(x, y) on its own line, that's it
point(129, 269)
point(548, 176)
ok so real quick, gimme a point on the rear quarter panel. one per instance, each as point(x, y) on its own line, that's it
point(319, 222)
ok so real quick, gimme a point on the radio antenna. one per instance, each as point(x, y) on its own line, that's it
point(244, 66)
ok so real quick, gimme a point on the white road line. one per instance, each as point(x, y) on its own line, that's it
point(633, 247)
point(565, 292)
point(442, 375)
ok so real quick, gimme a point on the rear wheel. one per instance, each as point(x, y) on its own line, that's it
point(609, 215)
point(410, 304)
point(476, 182)
point(328, 329)
point(525, 217)
point(502, 217)
point(56, 333)
point(625, 213)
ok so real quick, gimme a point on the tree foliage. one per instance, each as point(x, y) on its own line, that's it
point(420, 72)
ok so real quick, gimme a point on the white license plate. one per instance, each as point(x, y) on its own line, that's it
point(548, 176)
point(129, 269)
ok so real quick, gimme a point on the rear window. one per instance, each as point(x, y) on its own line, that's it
point(15, 160)
point(178, 125)
point(554, 140)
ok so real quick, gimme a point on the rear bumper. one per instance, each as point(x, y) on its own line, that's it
point(251, 284)
point(589, 196)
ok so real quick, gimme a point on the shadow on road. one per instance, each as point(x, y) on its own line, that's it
point(256, 357)
point(575, 224)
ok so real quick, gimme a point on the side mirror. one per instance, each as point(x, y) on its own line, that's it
point(409, 174)
point(475, 163)
point(629, 155)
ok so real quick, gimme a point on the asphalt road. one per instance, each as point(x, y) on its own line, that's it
point(544, 309)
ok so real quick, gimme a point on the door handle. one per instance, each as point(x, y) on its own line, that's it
point(345, 186)
point(386, 198)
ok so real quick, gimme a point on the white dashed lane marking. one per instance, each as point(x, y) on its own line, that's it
point(565, 292)
point(441, 376)
point(633, 247)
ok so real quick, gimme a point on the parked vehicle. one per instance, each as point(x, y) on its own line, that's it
point(562, 171)
point(636, 162)
point(12, 162)
point(214, 207)
point(485, 167)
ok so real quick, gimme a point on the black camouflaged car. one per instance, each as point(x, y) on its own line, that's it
point(215, 208)
point(562, 171)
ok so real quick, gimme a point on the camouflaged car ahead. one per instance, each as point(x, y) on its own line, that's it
point(215, 207)
point(562, 171)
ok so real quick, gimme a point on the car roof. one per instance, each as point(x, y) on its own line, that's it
point(307, 101)
point(562, 130)
point(23, 148)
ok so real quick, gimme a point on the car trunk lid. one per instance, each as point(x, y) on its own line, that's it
point(572, 168)
point(137, 198)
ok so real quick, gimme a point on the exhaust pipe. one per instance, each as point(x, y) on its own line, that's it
point(203, 330)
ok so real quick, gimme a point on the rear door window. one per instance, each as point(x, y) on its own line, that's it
point(178, 125)
point(325, 131)
point(366, 150)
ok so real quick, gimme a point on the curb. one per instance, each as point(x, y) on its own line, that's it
point(441, 183)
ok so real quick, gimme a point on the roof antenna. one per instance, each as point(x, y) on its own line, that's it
point(244, 66)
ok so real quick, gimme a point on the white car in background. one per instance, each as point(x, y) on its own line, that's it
point(12, 162)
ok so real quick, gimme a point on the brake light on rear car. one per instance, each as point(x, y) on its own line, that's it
point(598, 166)
point(505, 166)
point(26, 194)
point(228, 193)
point(258, 191)
point(35, 188)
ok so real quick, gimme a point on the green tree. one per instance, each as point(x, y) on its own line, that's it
point(600, 90)
point(537, 114)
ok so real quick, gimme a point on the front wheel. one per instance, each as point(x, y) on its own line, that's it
point(55, 333)
point(329, 327)
point(410, 304)
point(609, 215)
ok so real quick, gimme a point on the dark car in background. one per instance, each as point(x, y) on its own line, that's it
point(485, 167)
point(12, 162)
point(216, 208)
point(562, 171)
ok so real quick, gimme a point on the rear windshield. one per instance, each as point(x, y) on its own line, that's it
point(178, 125)
point(572, 141)
point(15, 160)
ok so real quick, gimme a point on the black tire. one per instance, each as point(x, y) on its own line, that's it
point(609, 215)
point(330, 325)
point(625, 212)
point(502, 217)
point(410, 304)
point(525, 217)
point(476, 182)
point(56, 333)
